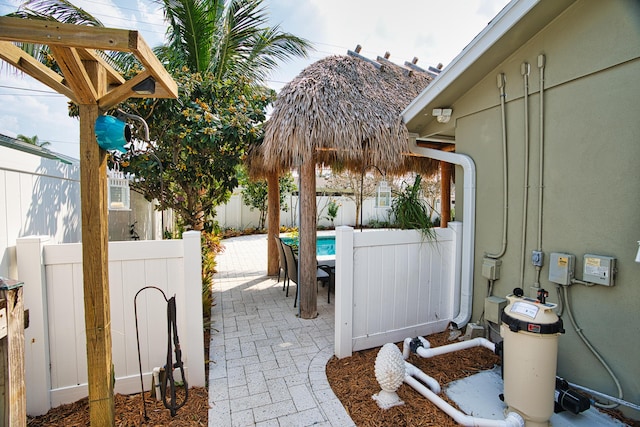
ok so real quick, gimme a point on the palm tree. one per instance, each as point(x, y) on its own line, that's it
point(216, 36)
point(33, 140)
point(222, 37)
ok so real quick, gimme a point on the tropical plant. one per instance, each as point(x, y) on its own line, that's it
point(218, 52)
point(33, 140)
point(332, 210)
point(410, 211)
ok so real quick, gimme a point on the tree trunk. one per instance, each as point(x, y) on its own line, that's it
point(273, 212)
point(307, 248)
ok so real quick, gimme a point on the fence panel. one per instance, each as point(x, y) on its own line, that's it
point(170, 265)
point(402, 285)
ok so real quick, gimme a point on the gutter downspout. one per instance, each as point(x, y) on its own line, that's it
point(468, 230)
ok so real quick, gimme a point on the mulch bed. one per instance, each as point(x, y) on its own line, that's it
point(129, 413)
point(353, 381)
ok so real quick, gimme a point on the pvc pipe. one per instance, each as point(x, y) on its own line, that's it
point(156, 381)
point(430, 382)
point(512, 419)
point(468, 231)
point(406, 347)
point(449, 348)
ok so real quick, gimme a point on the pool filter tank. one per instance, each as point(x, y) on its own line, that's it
point(530, 330)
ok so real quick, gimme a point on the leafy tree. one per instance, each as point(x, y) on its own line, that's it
point(219, 52)
point(200, 141)
point(255, 192)
point(349, 183)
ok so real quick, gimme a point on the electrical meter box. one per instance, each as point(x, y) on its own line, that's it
point(599, 269)
point(561, 268)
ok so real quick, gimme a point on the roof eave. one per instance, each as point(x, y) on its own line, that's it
point(503, 35)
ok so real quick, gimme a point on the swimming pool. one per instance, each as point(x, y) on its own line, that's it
point(325, 245)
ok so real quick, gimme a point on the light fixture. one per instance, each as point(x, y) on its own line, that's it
point(638, 254)
point(112, 134)
point(442, 115)
point(145, 87)
point(119, 194)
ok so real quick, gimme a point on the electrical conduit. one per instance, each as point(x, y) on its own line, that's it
point(541, 62)
point(505, 171)
point(525, 70)
point(468, 230)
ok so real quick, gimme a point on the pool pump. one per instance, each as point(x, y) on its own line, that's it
point(530, 329)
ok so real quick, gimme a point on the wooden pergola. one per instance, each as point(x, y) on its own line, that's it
point(89, 81)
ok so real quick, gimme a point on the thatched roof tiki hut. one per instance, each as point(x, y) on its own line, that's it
point(341, 110)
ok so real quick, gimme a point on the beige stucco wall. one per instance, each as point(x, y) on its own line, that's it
point(591, 200)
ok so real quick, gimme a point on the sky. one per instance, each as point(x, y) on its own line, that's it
point(434, 31)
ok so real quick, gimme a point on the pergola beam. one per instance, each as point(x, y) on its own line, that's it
point(95, 86)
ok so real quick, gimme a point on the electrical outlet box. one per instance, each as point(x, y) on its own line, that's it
point(599, 269)
point(493, 308)
point(537, 258)
point(491, 268)
point(561, 267)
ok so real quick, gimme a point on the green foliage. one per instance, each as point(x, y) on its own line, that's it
point(210, 247)
point(332, 210)
point(198, 142)
point(411, 211)
point(255, 193)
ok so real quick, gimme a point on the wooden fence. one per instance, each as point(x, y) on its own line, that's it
point(56, 354)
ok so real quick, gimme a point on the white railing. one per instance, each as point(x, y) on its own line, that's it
point(394, 284)
point(56, 354)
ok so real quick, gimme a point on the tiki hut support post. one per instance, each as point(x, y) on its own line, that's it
point(445, 193)
point(273, 220)
point(307, 249)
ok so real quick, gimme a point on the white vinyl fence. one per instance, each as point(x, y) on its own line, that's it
point(394, 284)
point(56, 354)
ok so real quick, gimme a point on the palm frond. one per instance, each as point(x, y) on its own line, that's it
point(58, 10)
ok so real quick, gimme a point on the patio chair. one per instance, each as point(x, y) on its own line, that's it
point(331, 282)
point(292, 271)
point(282, 263)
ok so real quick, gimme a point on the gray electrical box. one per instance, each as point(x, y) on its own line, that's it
point(493, 308)
point(491, 268)
point(561, 268)
point(599, 269)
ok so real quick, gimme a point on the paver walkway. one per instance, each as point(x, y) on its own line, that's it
point(268, 366)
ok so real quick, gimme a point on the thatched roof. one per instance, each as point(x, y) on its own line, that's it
point(346, 110)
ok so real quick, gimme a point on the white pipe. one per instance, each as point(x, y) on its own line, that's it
point(430, 382)
point(512, 419)
point(461, 345)
point(505, 171)
point(525, 70)
point(156, 381)
point(469, 216)
point(406, 347)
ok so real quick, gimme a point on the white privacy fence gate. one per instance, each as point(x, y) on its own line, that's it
point(394, 284)
point(55, 350)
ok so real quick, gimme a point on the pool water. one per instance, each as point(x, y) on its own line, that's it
point(325, 245)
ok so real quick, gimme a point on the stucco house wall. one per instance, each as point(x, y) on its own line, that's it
point(591, 181)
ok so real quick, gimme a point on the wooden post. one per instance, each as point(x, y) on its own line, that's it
point(12, 359)
point(307, 253)
point(97, 316)
point(273, 220)
point(445, 193)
